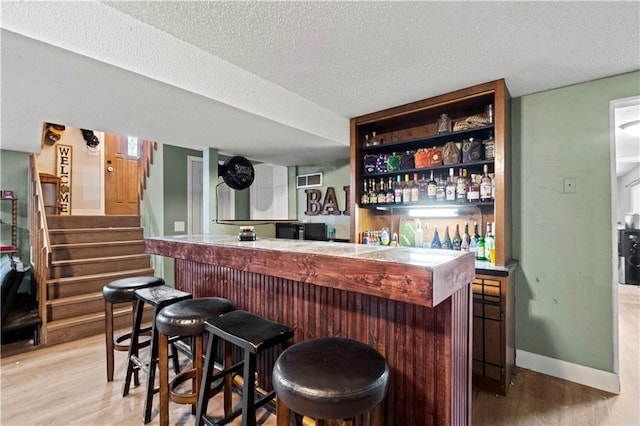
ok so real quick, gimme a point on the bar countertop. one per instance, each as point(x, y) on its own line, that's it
point(419, 276)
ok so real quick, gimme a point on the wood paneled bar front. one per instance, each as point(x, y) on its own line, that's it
point(412, 305)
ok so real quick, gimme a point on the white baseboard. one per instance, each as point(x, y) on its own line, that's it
point(603, 380)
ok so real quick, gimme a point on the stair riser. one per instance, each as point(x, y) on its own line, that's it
point(92, 252)
point(72, 270)
point(70, 222)
point(75, 288)
point(98, 236)
point(54, 336)
point(58, 312)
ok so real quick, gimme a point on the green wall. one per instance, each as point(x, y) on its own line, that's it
point(564, 303)
point(14, 175)
point(334, 174)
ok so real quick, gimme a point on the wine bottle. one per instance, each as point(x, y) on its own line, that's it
point(457, 241)
point(473, 241)
point(406, 190)
point(435, 242)
point(432, 186)
point(446, 242)
point(450, 189)
point(485, 185)
point(464, 245)
point(415, 189)
point(490, 244)
point(426, 238)
point(397, 191)
point(480, 254)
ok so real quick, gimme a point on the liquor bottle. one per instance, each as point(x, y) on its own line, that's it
point(481, 246)
point(426, 239)
point(373, 195)
point(490, 244)
point(422, 189)
point(367, 142)
point(418, 235)
point(415, 189)
point(450, 189)
point(384, 237)
point(373, 140)
point(464, 245)
point(435, 242)
point(432, 186)
point(406, 190)
point(382, 193)
point(485, 185)
point(397, 191)
point(446, 242)
point(440, 190)
point(390, 196)
point(493, 187)
point(473, 190)
point(364, 200)
point(456, 243)
point(461, 186)
point(473, 241)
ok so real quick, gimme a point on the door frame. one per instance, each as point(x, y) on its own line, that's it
point(190, 161)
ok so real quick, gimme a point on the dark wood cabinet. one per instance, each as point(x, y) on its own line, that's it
point(414, 126)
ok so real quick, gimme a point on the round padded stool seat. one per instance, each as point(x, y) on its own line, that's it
point(123, 290)
point(186, 318)
point(331, 378)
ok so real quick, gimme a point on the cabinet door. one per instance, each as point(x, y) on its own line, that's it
point(488, 328)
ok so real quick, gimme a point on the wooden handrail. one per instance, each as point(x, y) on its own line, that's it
point(39, 239)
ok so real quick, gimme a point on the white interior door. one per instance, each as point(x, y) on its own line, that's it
point(269, 193)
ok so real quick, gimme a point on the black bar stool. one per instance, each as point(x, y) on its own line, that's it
point(253, 335)
point(185, 319)
point(158, 297)
point(122, 291)
point(330, 378)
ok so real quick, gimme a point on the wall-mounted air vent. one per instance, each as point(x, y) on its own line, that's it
point(308, 181)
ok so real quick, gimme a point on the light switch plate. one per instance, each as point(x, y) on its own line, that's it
point(178, 226)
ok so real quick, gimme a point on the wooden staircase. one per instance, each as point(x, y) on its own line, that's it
point(86, 253)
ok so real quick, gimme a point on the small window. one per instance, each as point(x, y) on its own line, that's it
point(132, 147)
point(309, 180)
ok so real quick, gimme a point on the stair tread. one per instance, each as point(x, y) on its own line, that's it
point(75, 299)
point(96, 244)
point(143, 271)
point(97, 259)
point(86, 318)
point(110, 229)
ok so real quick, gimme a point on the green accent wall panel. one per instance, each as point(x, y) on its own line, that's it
point(564, 304)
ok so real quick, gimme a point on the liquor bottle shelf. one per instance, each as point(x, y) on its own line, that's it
point(424, 205)
point(426, 169)
point(439, 139)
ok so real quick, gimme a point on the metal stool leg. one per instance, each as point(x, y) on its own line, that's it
point(205, 385)
point(151, 376)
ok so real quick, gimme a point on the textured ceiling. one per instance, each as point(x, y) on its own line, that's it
point(277, 81)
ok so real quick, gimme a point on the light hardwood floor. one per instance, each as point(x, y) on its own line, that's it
point(66, 385)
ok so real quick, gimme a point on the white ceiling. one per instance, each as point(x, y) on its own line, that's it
point(278, 81)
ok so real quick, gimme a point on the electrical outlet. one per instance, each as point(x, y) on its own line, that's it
point(569, 185)
point(178, 226)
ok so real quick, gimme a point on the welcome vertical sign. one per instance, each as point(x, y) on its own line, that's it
point(63, 171)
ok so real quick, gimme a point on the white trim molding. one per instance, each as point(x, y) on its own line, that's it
point(603, 380)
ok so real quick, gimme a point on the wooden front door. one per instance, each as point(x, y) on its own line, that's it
point(121, 177)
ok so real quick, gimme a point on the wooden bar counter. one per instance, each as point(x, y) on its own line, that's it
point(412, 305)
